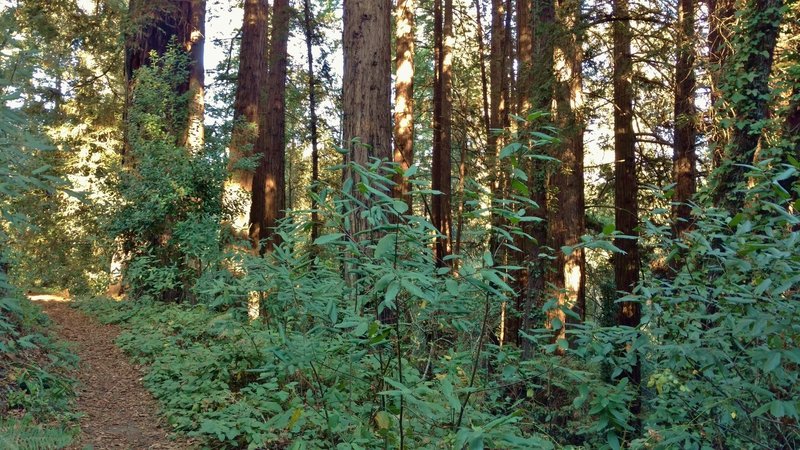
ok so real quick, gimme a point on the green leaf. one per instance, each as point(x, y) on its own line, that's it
point(487, 259)
point(383, 420)
point(608, 229)
point(510, 149)
point(520, 187)
point(361, 329)
point(391, 291)
point(613, 441)
point(776, 409)
point(449, 394)
point(400, 206)
point(385, 246)
point(333, 311)
point(763, 286)
point(773, 361)
point(328, 238)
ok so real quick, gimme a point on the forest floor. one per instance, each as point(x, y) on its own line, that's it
point(118, 412)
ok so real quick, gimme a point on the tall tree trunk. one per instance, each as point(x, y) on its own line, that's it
point(484, 80)
point(497, 113)
point(684, 157)
point(497, 83)
point(154, 25)
point(566, 216)
point(249, 91)
point(749, 103)
point(269, 196)
point(366, 89)
point(509, 49)
point(312, 115)
point(538, 83)
point(626, 205)
point(514, 316)
point(442, 143)
point(195, 45)
point(404, 96)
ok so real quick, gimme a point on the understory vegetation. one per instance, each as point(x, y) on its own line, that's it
point(717, 345)
point(36, 385)
point(587, 237)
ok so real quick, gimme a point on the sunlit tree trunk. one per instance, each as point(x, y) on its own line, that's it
point(566, 213)
point(269, 196)
point(249, 90)
point(366, 88)
point(442, 143)
point(535, 85)
point(684, 155)
point(195, 45)
point(484, 77)
point(404, 95)
point(152, 26)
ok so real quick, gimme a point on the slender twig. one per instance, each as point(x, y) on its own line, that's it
point(476, 362)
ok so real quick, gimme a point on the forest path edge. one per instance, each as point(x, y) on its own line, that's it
point(118, 412)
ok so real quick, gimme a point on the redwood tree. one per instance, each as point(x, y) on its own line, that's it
point(441, 213)
point(312, 113)
point(684, 155)
point(404, 95)
point(154, 25)
point(626, 205)
point(269, 199)
point(367, 130)
point(249, 93)
point(566, 216)
point(194, 43)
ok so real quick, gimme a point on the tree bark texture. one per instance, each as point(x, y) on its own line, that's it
point(442, 144)
point(366, 90)
point(248, 98)
point(269, 196)
point(566, 215)
point(484, 77)
point(497, 83)
point(155, 24)
point(194, 140)
point(404, 96)
point(626, 205)
point(308, 20)
point(684, 159)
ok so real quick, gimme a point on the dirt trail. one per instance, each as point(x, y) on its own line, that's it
point(119, 412)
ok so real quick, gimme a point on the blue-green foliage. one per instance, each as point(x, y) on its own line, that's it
point(170, 198)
